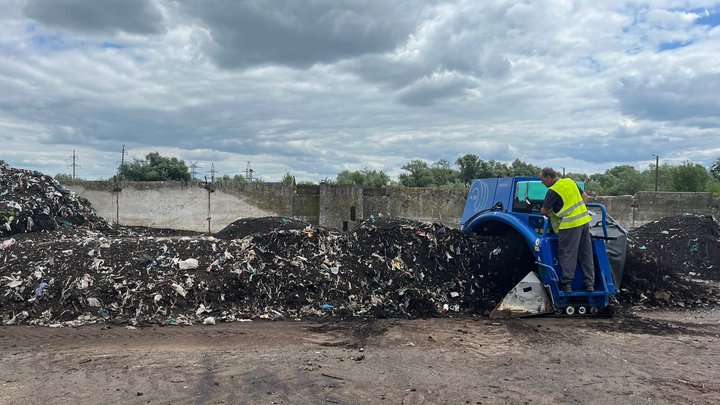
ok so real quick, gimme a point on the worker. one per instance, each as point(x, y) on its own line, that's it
point(565, 205)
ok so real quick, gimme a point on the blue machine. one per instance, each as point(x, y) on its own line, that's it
point(500, 206)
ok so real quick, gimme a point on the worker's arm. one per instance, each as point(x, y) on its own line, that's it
point(552, 200)
point(585, 197)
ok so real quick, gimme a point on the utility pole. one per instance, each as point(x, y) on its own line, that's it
point(209, 186)
point(212, 172)
point(116, 185)
point(122, 159)
point(74, 157)
point(657, 165)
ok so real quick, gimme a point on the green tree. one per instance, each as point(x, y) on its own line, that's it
point(715, 170)
point(238, 179)
point(419, 174)
point(689, 177)
point(288, 179)
point(520, 168)
point(493, 168)
point(364, 178)
point(713, 187)
point(472, 167)
point(63, 177)
point(443, 175)
point(155, 168)
point(469, 168)
point(621, 180)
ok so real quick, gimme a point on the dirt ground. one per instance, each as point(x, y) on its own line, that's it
point(655, 357)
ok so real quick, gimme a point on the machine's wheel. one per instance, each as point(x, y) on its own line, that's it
point(581, 310)
point(593, 310)
point(569, 310)
point(558, 311)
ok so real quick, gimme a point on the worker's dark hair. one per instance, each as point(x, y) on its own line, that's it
point(549, 172)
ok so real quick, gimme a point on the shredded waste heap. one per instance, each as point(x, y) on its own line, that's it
point(62, 265)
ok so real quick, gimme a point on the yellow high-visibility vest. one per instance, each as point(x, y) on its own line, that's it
point(573, 213)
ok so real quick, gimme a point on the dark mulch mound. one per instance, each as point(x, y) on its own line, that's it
point(689, 244)
point(243, 227)
point(673, 262)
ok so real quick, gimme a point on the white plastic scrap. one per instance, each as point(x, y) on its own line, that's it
point(179, 289)
point(7, 243)
point(188, 264)
point(94, 302)
point(85, 282)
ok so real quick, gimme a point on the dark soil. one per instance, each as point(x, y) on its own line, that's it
point(673, 262)
point(255, 226)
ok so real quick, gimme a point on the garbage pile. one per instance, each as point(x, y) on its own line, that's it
point(31, 201)
point(69, 267)
point(673, 262)
point(392, 270)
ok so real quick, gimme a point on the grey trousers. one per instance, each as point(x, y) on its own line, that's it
point(575, 245)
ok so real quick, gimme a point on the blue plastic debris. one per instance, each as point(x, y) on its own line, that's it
point(40, 290)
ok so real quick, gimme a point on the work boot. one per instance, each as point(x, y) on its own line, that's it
point(565, 287)
point(589, 287)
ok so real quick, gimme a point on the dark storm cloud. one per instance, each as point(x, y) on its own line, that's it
point(673, 97)
point(433, 89)
point(95, 16)
point(300, 33)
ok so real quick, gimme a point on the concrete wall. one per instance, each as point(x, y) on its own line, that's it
point(621, 208)
point(178, 205)
point(646, 206)
point(341, 206)
point(184, 205)
point(421, 204)
point(306, 206)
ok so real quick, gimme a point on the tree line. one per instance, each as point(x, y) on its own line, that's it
point(619, 180)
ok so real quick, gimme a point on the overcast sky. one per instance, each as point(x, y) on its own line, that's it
point(320, 86)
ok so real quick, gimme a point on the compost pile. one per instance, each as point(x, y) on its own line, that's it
point(255, 226)
point(31, 201)
point(83, 270)
point(673, 262)
point(80, 276)
point(72, 268)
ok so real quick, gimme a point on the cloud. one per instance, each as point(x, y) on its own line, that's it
point(299, 34)
point(318, 86)
point(102, 17)
point(428, 90)
point(671, 97)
